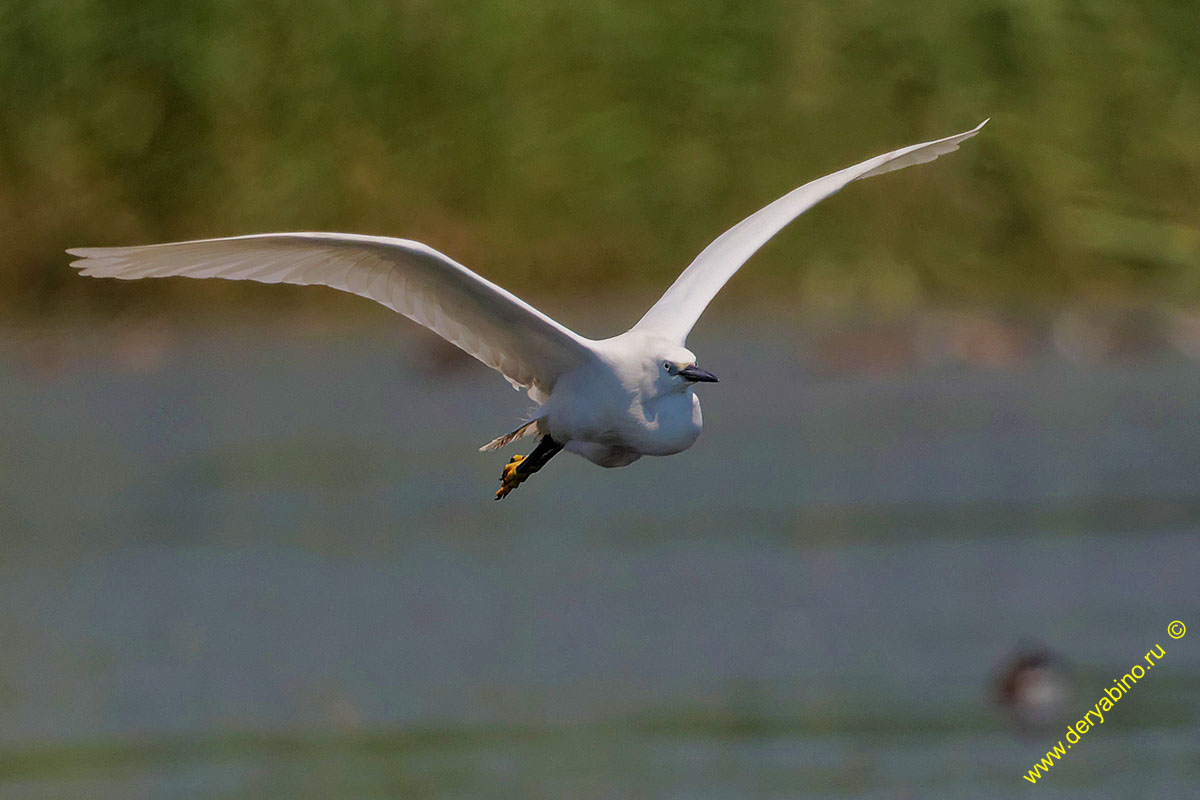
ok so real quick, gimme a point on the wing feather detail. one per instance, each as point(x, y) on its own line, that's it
point(529, 348)
point(676, 312)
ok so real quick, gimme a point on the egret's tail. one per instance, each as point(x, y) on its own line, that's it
point(528, 429)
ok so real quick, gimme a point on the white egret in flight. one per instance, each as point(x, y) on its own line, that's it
point(612, 401)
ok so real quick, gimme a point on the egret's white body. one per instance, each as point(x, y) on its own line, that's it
point(610, 401)
point(623, 405)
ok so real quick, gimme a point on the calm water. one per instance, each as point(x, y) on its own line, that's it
point(265, 563)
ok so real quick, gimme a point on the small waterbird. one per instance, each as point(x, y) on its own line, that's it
point(611, 401)
point(1032, 685)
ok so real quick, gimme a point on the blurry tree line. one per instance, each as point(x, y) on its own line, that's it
point(554, 144)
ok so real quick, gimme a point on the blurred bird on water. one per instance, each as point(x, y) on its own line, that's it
point(1032, 686)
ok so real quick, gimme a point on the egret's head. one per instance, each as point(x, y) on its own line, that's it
point(675, 370)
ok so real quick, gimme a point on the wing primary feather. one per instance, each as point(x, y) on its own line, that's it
point(529, 348)
point(676, 312)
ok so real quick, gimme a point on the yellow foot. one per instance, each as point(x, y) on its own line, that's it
point(509, 477)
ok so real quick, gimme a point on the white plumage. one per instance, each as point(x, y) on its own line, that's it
point(496, 327)
point(612, 400)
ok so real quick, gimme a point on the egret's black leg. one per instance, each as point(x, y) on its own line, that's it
point(521, 467)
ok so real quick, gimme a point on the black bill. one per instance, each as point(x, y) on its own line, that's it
point(694, 373)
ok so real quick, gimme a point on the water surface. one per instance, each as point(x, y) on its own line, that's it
point(264, 562)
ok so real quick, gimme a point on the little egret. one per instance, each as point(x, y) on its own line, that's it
point(611, 401)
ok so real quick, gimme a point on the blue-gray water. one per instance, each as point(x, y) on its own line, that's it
point(264, 562)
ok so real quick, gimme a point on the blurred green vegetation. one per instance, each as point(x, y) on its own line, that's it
point(555, 143)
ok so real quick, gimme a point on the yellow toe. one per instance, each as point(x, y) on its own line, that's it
point(509, 477)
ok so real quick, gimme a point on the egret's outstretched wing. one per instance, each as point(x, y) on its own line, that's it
point(677, 311)
point(499, 329)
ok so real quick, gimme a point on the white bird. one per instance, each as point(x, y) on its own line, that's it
point(611, 401)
